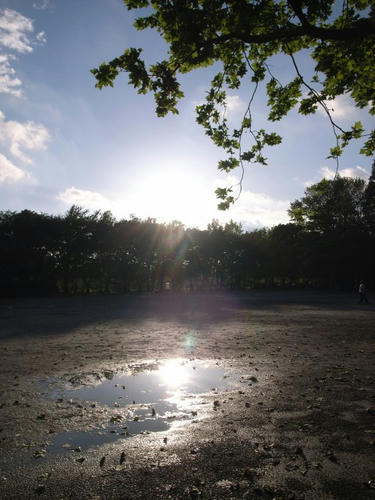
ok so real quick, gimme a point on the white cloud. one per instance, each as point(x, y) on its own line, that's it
point(87, 199)
point(41, 37)
point(9, 83)
point(18, 136)
point(358, 171)
point(174, 201)
point(14, 31)
point(255, 210)
point(340, 107)
point(307, 184)
point(16, 34)
point(9, 172)
point(328, 173)
point(41, 4)
point(260, 210)
point(234, 104)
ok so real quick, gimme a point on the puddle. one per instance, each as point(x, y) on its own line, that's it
point(170, 379)
point(81, 441)
point(143, 384)
point(149, 398)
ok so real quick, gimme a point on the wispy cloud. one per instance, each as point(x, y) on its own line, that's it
point(340, 107)
point(255, 210)
point(16, 34)
point(259, 210)
point(14, 31)
point(329, 174)
point(234, 104)
point(17, 136)
point(41, 4)
point(358, 171)
point(87, 199)
point(9, 172)
point(9, 83)
point(41, 37)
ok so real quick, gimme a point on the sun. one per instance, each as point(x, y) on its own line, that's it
point(169, 195)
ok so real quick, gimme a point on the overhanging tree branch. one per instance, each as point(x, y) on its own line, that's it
point(362, 29)
point(243, 36)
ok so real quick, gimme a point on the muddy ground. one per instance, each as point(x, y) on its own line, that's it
point(301, 427)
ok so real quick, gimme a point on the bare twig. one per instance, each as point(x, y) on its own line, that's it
point(323, 104)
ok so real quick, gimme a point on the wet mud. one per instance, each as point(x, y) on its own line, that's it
point(221, 395)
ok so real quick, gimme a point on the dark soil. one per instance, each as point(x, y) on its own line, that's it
point(301, 428)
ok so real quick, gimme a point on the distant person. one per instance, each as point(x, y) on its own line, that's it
point(362, 293)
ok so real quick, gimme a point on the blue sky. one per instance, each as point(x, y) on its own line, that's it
point(64, 142)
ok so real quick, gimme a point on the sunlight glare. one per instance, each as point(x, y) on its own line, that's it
point(173, 195)
point(174, 373)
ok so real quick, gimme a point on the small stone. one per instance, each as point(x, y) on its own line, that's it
point(39, 453)
point(40, 489)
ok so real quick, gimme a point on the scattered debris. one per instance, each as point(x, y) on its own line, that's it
point(39, 453)
point(40, 489)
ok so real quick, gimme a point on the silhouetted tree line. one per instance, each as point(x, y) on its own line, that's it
point(329, 243)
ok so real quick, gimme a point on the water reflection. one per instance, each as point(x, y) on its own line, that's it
point(174, 373)
point(173, 379)
point(142, 400)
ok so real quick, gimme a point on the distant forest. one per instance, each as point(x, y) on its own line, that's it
point(329, 243)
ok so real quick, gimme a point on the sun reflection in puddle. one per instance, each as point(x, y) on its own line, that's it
point(174, 373)
point(174, 379)
point(148, 398)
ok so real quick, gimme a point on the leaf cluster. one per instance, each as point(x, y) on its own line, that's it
point(242, 36)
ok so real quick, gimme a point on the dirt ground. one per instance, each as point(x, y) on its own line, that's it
point(302, 428)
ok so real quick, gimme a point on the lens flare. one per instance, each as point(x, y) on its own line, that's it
point(190, 342)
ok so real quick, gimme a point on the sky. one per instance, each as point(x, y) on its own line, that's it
point(64, 142)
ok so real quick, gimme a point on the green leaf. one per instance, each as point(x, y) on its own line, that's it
point(335, 152)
